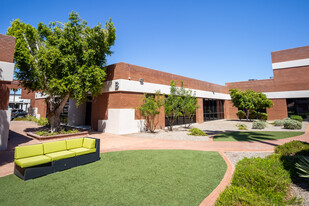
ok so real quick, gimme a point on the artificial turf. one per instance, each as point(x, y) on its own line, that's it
point(145, 177)
point(254, 136)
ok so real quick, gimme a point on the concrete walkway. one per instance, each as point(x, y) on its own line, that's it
point(111, 143)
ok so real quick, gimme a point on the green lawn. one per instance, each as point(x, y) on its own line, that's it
point(147, 177)
point(254, 136)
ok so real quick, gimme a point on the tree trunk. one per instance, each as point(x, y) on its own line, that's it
point(55, 110)
point(247, 114)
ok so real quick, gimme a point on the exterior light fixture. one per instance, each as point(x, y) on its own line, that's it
point(116, 85)
point(141, 81)
point(213, 91)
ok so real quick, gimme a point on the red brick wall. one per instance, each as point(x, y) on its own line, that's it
point(278, 111)
point(123, 71)
point(7, 47)
point(41, 105)
point(229, 110)
point(199, 111)
point(290, 54)
point(4, 96)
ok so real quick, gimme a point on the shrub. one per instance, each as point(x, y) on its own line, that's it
point(258, 181)
point(262, 116)
point(258, 125)
point(196, 132)
point(297, 118)
point(292, 148)
point(241, 114)
point(42, 121)
point(20, 119)
point(278, 123)
point(241, 126)
point(252, 114)
point(291, 124)
point(303, 167)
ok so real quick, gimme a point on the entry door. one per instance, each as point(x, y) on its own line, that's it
point(88, 113)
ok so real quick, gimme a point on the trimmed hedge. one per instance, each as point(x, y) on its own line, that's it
point(252, 114)
point(291, 124)
point(297, 118)
point(258, 125)
point(258, 181)
point(262, 116)
point(241, 114)
point(292, 148)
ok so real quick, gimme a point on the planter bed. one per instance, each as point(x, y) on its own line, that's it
point(31, 134)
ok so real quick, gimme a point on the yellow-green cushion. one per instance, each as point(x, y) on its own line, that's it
point(57, 146)
point(89, 143)
point(74, 143)
point(60, 155)
point(32, 161)
point(28, 151)
point(82, 151)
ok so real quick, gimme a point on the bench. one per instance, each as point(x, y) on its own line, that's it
point(34, 161)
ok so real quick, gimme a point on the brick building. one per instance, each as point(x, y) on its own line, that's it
point(115, 109)
point(7, 46)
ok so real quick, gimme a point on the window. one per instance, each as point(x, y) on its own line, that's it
point(213, 109)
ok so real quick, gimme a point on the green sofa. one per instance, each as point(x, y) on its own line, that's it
point(41, 159)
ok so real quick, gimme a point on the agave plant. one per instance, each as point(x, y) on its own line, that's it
point(303, 167)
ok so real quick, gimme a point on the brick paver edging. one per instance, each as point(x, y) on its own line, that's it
point(213, 196)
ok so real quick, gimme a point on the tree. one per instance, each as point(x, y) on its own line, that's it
point(150, 109)
point(172, 107)
point(62, 60)
point(249, 100)
point(188, 104)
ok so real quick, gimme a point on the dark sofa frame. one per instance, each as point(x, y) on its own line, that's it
point(58, 165)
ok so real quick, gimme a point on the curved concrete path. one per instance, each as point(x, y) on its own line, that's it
point(111, 143)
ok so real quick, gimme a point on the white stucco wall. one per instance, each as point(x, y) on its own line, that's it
point(76, 115)
point(121, 121)
point(5, 116)
point(6, 71)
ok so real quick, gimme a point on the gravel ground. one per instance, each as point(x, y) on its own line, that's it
point(210, 128)
point(301, 190)
point(234, 157)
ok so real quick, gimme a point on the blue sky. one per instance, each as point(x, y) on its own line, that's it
point(214, 41)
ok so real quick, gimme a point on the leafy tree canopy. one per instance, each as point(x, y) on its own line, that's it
point(62, 60)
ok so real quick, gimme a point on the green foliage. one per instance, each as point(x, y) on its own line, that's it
point(259, 125)
point(262, 116)
point(252, 114)
point(180, 102)
point(196, 132)
point(304, 115)
point(249, 100)
point(46, 133)
point(241, 114)
point(150, 109)
point(188, 103)
point(292, 148)
point(258, 181)
point(278, 123)
point(41, 121)
point(291, 124)
point(303, 167)
point(297, 118)
point(62, 60)
point(242, 126)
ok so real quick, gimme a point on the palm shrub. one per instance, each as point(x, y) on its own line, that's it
point(291, 124)
point(258, 125)
point(303, 167)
